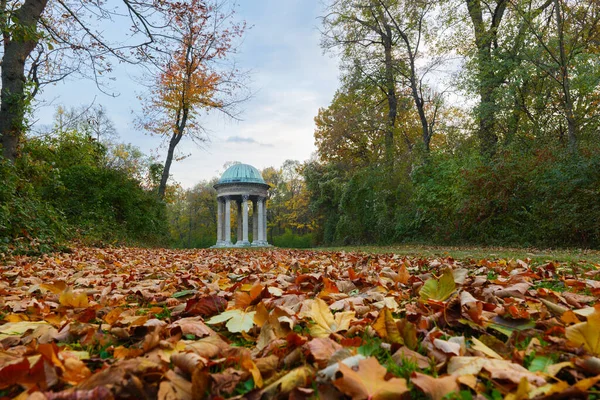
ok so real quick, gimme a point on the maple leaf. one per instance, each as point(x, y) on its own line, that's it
point(368, 382)
point(325, 322)
point(438, 289)
point(237, 320)
point(587, 334)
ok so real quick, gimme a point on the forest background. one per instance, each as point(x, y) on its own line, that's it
point(462, 122)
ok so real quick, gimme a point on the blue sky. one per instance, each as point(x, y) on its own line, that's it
point(290, 77)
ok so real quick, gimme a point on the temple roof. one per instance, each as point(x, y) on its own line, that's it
point(241, 173)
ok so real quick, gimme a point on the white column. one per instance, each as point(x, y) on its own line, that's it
point(245, 241)
point(265, 220)
point(239, 222)
point(219, 221)
point(255, 221)
point(261, 226)
point(227, 238)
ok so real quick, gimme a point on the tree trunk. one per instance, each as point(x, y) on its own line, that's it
point(419, 103)
point(165, 174)
point(565, 79)
point(13, 99)
point(392, 99)
point(488, 139)
point(488, 81)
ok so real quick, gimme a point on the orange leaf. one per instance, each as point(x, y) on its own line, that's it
point(368, 382)
point(435, 388)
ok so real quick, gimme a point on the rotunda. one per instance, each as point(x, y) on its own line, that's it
point(242, 183)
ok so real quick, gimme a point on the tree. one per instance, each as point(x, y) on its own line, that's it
point(191, 79)
point(566, 35)
point(499, 38)
point(350, 130)
point(44, 42)
point(91, 120)
point(366, 36)
point(384, 41)
point(409, 20)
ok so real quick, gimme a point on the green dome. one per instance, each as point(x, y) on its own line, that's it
point(241, 173)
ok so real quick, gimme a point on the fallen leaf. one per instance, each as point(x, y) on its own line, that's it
point(284, 385)
point(435, 388)
point(68, 298)
point(385, 326)
point(438, 289)
point(325, 323)
point(237, 320)
point(368, 382)
point(498, 369)
point(587, 334)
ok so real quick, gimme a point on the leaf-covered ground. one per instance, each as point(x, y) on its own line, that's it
point(147, 324)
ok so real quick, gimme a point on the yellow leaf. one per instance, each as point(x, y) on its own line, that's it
point(55, 287)
point(325, 322)
point(385, 326)
point(68, 298)
point(480, 346)
point(587, 334)
point(237, 320)
point(438, 289)
point(295, 378)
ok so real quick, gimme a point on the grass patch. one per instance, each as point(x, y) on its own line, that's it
point(575, 256)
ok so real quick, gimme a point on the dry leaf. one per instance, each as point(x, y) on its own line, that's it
point(438, 289)
point(325, 323)
point(68, 298)
point(587, 334)
point(368, 382)
point(435, 388)
point(237, 320)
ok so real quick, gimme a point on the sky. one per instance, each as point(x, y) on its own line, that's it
point(290, 78)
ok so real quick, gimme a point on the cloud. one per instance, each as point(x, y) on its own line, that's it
point(246, 140)
point(239, 139)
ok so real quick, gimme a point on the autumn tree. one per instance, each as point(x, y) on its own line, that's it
point(44, 42)
point(192, 79)
point(351, 130)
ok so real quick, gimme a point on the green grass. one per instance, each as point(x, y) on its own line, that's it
point(479, 253)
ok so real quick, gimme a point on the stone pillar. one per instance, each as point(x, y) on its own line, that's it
point(265, 221)
point(219, 222)
point(239, 222)
point(261, 226)
point(227, 236)
point(254, 221)
point(245, 241)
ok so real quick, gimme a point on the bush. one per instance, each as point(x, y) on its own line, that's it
point(546, 197)
point(61, 189)
point(28, 225)
point(293, 241)
point(107, 205)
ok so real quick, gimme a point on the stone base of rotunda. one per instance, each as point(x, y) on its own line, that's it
point(241, 244)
